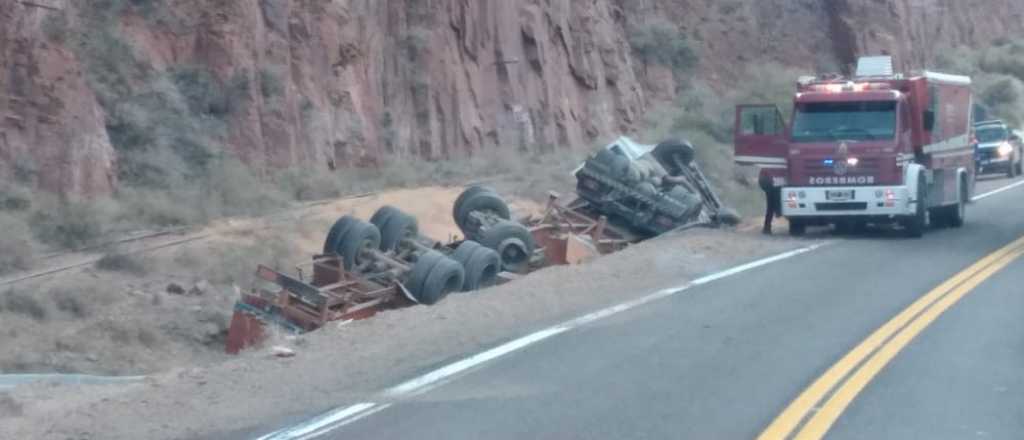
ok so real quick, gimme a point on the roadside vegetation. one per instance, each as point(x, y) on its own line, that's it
point(998, 75)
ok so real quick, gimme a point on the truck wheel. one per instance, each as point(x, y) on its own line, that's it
point(481, 269)
point(466, 194)
point(486, 202)
point(399, 226)
point(616, 165)
point(464, 251)
point(958, 214)
point(1020, 163)
point(513, 242)
point(381, 216)
point(674, 154)
point(797, 227)
point(445, 277)
point(916, 224)
point(361, 238)
point(425, 263)
point(337, 232)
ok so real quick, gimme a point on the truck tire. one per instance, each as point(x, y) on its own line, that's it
point(674, 153)
point(916, 224)
point(466, 194)
point(465, 250)
point(381, 216)
point(482, 269)
point(399, 226)
point(797, 227)
point(337, 232)
point(958, 214)
point(484, 202)
point(421, 269)
point(616, 165)
point(513, 242)
point(360, 238)
point(445, 277)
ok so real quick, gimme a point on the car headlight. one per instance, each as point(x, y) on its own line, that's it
point(1005, 149)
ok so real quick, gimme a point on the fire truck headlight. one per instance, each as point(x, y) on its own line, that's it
point(791, 196)
point(1005, 149)
point(853, 161)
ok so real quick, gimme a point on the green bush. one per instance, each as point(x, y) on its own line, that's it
point(117, 262)
point(72, 224)
point(659, 41)
point(15, 246)
point(270, 84)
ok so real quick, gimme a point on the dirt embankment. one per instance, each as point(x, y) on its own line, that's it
point(153, 311)
point(337, 365)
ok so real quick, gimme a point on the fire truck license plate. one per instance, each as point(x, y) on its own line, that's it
point(839, 195)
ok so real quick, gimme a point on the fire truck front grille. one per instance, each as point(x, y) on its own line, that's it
point(866, 167)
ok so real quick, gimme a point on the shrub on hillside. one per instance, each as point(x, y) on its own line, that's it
point(659, 41)
point(15, 246)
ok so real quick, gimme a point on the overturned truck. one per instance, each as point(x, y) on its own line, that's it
point(626, 193)
point(650, 189)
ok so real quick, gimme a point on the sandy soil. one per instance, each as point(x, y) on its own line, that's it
point(337, 365)
point(119, 322)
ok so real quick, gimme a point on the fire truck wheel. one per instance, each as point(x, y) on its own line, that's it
point(446, 277)
point(513, 242)
point(482, 269)
point(399, 226)
point(466, 194)
point(797, 227)
point(484, 202)
point(915, 224)
point(958, 213)
point(380, 218)
point(425, 262)
point(464, 251)
point(337, 233)
point(360, 238)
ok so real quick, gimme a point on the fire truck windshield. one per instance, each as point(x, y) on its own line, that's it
point(831, 121)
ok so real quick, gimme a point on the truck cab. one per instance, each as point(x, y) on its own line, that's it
point(875, 148)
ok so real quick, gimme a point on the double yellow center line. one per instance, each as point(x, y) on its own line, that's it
point(843, 381)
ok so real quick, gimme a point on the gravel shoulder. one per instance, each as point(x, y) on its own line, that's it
point(257, 392)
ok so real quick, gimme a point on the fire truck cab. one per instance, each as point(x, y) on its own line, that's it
point(875, 148)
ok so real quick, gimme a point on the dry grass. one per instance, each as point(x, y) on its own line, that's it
point(25, 304)
point(116, 262)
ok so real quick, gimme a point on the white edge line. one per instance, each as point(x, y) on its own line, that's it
point(997, 191)
point(337, 418)
point(324, 420)
point(353, 419)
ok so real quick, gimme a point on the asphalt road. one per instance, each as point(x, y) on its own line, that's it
point(723, 360)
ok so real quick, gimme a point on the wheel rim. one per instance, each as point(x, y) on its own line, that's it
point(513, 253)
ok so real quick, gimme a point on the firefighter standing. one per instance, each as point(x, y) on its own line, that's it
point(773, 198)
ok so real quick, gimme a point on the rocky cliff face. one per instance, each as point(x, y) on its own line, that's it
point(318, 83)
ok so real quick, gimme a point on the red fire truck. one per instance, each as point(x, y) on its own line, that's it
point(877, 147)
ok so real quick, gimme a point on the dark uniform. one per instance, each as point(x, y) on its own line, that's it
point(768, 180)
